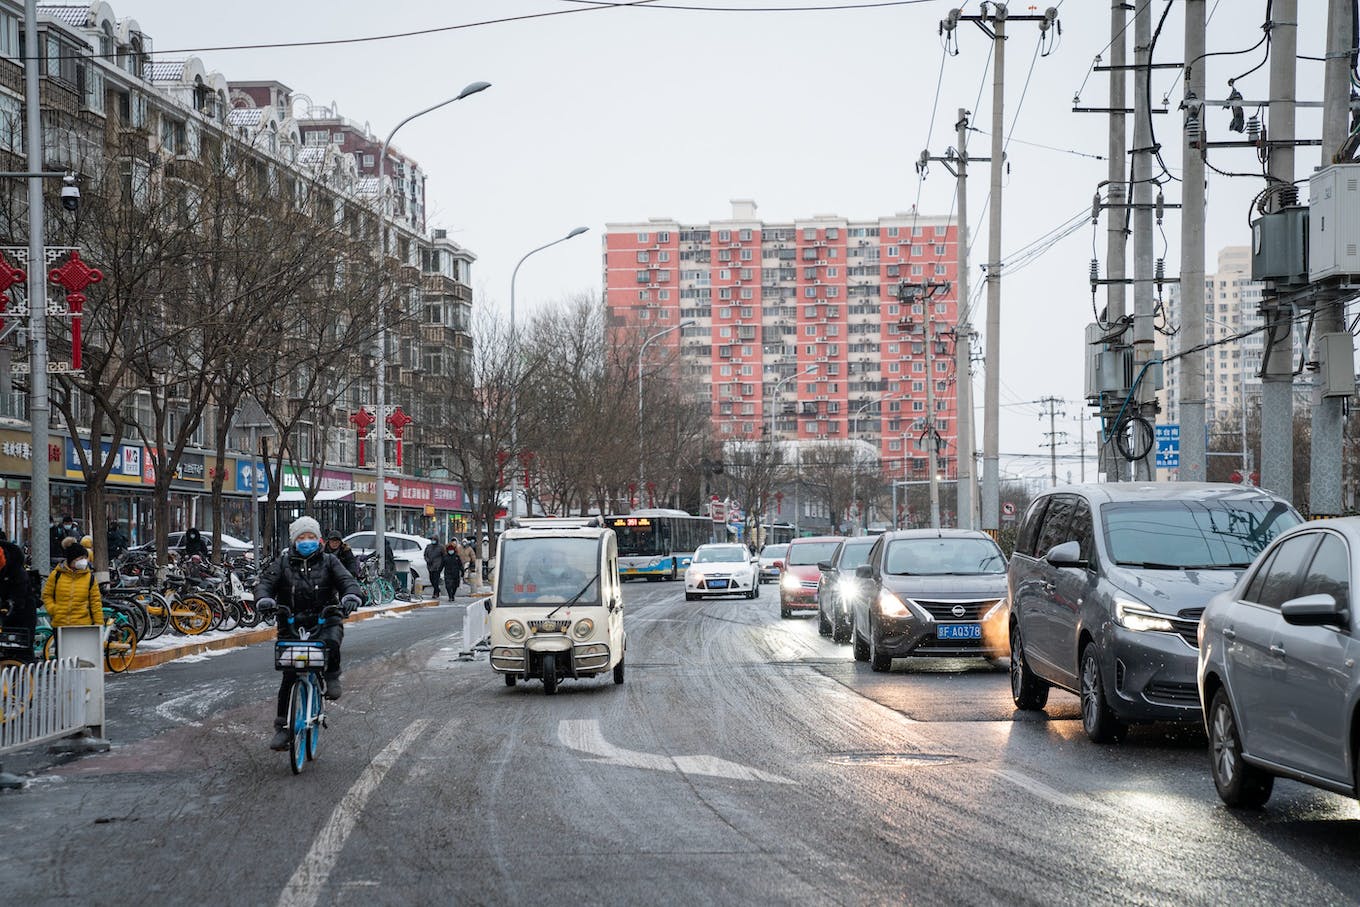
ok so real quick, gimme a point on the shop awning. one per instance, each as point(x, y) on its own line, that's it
point(293, 497)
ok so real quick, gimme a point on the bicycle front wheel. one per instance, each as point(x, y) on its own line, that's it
point(314, 728)
point(191, 615)
point(297, 726)
point(120, 647)
point(157, 613)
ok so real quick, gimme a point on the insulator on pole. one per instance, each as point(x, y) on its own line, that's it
point(1095, 273)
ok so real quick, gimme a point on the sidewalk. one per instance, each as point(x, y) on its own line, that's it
point(150, 654)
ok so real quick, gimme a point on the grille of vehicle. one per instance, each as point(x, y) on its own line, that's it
point(1172, 693)
point(972, 610)
point(549, 626)
point(808, 584)
point(1187, 625)
point(954, 645)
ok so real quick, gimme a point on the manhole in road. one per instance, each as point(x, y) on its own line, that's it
point(895, 760)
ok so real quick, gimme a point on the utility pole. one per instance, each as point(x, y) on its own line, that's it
point(1081, 423)
point(992, 21)
point(1324, 485)
point(1053, 403)
point(39, 406)
point(1144, 332)
point(1116, 235)
point(1277, 381)
point(932, 436)
point(1194, 444)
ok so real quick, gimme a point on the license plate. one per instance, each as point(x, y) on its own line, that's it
point(959, 631)
point(718, 584)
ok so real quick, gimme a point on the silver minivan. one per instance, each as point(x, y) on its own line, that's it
point(1107, 584)
point(1277, 668)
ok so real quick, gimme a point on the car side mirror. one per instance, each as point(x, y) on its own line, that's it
point(1315, 610)
point(486, 603)
point(823, 565)
point(1067, 554)
point(864, 571)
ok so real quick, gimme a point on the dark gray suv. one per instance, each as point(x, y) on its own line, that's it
point(1107, 584)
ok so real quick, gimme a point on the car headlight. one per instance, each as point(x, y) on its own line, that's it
point(790, 583)
point(1137, 616)
point(889, 605)
point(514, 629)
point(995, 610)
point(584, 627)
point(846, 586)
point(694, 575)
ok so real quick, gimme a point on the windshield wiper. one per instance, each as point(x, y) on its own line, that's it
point(572, 600)
point(1155, 565)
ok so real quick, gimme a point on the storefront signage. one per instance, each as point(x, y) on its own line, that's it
point(127, 465)
point(415, 494)
point(448, 497)
point(189, 472)
point(246, 470)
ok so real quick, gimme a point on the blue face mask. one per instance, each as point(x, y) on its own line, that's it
point(307, 547)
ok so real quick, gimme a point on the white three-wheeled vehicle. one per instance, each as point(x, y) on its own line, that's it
point(557, 608)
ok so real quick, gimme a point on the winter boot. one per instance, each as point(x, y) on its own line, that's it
point(333, 688)
point(281, 736)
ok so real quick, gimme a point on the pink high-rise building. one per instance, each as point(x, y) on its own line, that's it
point(772, 300)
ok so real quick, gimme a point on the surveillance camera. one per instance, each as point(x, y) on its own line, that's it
point(70, 193)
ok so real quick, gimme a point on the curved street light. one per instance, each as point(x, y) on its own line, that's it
point(514, 395)
point(642, 349)
point(379, 509)
point(769, 439)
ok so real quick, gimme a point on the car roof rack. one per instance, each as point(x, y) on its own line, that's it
point(592, 522)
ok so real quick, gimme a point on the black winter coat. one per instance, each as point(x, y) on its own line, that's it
point(306, 585)
point(348, 560)
point(17, 605)
point(194, 544)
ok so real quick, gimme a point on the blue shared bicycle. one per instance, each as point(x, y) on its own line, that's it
point(306, 710)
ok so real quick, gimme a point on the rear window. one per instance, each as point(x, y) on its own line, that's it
point(808, 553)
point(774, 551)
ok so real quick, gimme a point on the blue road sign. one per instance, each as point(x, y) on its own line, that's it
point(1168, 446)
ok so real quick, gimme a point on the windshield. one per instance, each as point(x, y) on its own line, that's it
point(1223, 534)
point(801, 555)
point(944, 557)
point(540, 571)
point(773, 552)
point(639, 539)
point(727, 554)
point(855, 553)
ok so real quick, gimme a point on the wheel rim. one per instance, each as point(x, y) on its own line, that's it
point(1090, 691)
point(1017, 663)
point(1221, 738)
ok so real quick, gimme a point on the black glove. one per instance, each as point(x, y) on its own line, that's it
point(349, 603)
point(266, 605)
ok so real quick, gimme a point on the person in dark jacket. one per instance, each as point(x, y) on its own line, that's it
point(66, 529)
point(18, 609)
point(316, 589)
point(118, 540)
point(194, 543)
point(434, 562)
point(453, 568)
point(336, 545)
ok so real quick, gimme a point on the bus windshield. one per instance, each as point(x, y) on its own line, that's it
point(638, 540)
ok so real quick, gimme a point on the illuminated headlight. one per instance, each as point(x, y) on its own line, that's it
point(889, 605)
point(514, 629)
point(995, 610)
point(790, 583)
point(1140, 617)
point(846, 586)
point(584, 627)
point(694, 576)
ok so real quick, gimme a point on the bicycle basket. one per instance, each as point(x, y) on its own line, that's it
point(299, 655)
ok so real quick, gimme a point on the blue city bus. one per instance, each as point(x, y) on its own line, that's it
point(658, 543)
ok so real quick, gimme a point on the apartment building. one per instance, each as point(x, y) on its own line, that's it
point(802, 329)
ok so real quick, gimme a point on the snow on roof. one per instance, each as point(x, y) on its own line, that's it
point(168, 71)
point(245, 116)
point(71, 15)
point(366, 185)
point(311, 154)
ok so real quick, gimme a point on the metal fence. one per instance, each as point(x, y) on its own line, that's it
point(40, 702)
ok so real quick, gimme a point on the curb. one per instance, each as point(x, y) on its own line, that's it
point(142, 661)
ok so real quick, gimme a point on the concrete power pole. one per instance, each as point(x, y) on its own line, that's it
point(1324, 485)
point(963, 346)
point(39, 406)
point(932, 436)
point(992, 20)
point(1117, 232)
point(1052, 403)
point(1194, 444)
point(1277, 382)
point(1144, 332)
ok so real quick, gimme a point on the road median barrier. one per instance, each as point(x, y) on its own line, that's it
point(152, 657)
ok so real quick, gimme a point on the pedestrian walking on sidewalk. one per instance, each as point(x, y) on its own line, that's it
point(18, 611)
point(70, 595)
point(434, 562)
point(453, 567)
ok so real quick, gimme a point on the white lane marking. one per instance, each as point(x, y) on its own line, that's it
point(1042, 790)
point(305, 887)
point(585, 736)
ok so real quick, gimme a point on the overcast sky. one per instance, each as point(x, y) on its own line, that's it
point(616, 115)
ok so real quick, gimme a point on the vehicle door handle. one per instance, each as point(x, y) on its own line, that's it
point(1229, 633)
point(1048, 588)
point(1277, 650)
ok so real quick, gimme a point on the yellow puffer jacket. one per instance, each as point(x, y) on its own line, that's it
point(71, 598)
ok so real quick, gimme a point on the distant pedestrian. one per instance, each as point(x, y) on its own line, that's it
point(70, 595)
point(468, 553)
point(194, 543)
point(453, 567)
point(336, 545)
point(434, 563)
point(118, 540)
point(18, 610)
point(65, 529)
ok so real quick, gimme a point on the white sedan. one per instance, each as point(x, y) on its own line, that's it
point(722, 569)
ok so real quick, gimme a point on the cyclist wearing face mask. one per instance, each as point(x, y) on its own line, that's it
point(70, 595)
point(316, 590)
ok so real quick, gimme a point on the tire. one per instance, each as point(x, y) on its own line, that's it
point(231, 616)
point(618, 672)
point(785, 612)
point(880, 662)
point(157, 614)
point(314, 733)
point(857, 643)
point(297, 720)
point(840, 630)
point(119, 648)
point(755, 587)
point(1238, 783)
point(550, 674)
point(690, 596)
point(191, 615)
point(1097, 718)
point(1028, 692)
point(754, 591)
point(823, 625)
point(510, 680)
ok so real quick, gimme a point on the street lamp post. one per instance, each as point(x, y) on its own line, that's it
point(379, 510)
point(769, 420)
point(854, 474)
point(641, 350)
point(514, 390)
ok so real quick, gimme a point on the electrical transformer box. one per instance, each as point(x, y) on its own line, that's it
point(1279, 247)
point(1334, 224)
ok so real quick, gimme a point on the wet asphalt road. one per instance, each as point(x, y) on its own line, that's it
point(745, 760)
